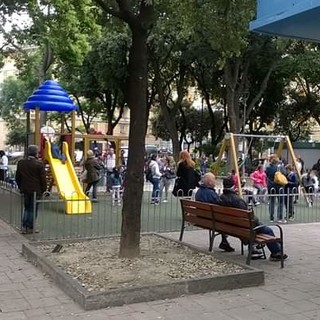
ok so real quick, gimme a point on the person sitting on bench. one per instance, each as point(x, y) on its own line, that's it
point(207, 193)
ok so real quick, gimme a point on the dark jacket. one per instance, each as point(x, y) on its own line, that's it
point(31, 176)
point(206, 194)
point(230, 198)
point(293, 182)
point(186, 176)
point(93, 168)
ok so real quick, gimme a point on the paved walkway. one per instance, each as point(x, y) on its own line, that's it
point(290, 293)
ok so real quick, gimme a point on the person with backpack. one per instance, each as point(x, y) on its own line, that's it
point(153, 175)
point(275, 190)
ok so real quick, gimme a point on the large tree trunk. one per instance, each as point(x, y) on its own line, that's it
point(137, 88)
point(140, 26)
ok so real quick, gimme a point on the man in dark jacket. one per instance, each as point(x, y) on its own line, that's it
point(31, 180)
point(230, 198)
point(207, 193)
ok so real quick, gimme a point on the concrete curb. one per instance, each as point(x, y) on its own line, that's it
point(89, 301)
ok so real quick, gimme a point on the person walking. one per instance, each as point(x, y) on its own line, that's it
point(31, 180)
point(93, 168)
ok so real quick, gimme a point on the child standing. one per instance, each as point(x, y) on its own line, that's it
point(116, 186)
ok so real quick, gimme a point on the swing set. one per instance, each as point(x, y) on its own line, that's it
point(229, 143)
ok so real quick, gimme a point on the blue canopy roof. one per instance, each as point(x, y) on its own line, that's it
point(50, 96)
point(288, 18)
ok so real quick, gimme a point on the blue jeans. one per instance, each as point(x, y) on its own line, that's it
point(155, 189)
point(280, 198)
point(273, 247)
point(28, 213)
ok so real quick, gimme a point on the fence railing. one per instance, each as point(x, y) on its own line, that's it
point(105, 219)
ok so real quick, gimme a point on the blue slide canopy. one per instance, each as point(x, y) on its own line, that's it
point(50, 96)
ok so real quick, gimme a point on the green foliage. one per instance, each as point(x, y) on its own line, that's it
point(17, 136)
point(14, 93)
point(197, 125)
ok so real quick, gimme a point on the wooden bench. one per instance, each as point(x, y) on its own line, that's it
point(230, 221)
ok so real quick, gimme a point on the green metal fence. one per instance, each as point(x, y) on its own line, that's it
point(105, 219)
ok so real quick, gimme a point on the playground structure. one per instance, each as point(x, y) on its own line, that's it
point(229, 142)
point(50, 96)
point(67, 182)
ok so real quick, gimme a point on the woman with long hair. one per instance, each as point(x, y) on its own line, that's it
point(187, 179)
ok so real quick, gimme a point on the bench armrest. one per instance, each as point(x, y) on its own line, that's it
point(270, 225)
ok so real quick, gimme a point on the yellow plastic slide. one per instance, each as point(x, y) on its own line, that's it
point(67, 182)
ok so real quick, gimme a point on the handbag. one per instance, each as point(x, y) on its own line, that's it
point(177, 187)
point(280, 178)
point(84, 176)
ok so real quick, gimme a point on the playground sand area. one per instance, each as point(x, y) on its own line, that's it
point(95, 264)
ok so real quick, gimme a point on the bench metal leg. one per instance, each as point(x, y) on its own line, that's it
point(282, 253)
point(211, 239)
point(182, 230)
point(249, 253)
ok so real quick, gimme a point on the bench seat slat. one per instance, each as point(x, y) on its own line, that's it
point(235, 231)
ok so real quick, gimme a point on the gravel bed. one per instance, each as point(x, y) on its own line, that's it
point(96, 266)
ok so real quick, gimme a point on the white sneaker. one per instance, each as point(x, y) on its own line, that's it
point(165, 200)
point(282, 221)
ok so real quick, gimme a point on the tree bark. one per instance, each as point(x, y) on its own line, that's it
point(137, 101)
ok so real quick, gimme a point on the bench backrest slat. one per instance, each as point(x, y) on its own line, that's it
point(231, 211)
point(197, 213)
point(236, 221)
point(233, 221)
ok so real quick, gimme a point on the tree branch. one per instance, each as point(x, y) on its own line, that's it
point(109, 10)
point(262, 88)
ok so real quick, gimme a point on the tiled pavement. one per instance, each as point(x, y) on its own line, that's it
point(290, 293)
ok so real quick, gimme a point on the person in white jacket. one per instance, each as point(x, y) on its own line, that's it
point(156, 175)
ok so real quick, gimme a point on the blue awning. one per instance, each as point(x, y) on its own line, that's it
point(288, 18)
